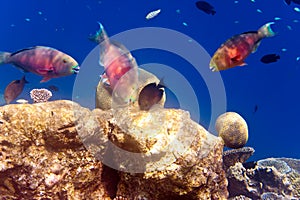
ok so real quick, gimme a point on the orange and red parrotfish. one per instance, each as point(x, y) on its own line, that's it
point(14, 89)
point(236, 49)
point(44, 61)
point(120, 67)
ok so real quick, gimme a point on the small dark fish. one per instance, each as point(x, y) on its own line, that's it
point(14, 89)
point(205, 7)
point(150, 95)
point(270, 58)
point(288, 2)
point(53, 88)
point(255, 109)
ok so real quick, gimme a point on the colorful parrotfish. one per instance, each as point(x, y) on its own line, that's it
point(43, 61)
point(235, 50)
point(120, 68)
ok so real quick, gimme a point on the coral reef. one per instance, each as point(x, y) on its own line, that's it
point(42, 157)
point(233, 129)
point(232, 156)
point(40, 95)
point(178, 159)
point(271, 178)
point(59, 150)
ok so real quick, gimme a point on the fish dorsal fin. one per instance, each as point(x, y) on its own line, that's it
point(124, 50)
point(119, 45)
point(256, 46)
point(21, 50)
point(247, 32)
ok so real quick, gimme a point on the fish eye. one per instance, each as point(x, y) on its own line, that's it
point(64, 61)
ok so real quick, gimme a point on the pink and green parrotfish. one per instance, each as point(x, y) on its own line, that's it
point(40, 60)
point(120, 68)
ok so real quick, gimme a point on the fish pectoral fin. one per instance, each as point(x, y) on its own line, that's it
point(236, 59)
point(44, 71)
point(45, 79)
point(243, 64)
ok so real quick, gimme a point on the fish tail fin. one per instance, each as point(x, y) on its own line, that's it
point(100, 35)
point(266, 30)
point(24, 79)
point(4, 56)
point(288, 2)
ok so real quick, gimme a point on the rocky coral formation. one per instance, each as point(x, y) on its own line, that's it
point(272, 178)
point(233, 129)
point(232, 156)
point(180, 159)
point(163, 154)
point(43, 157)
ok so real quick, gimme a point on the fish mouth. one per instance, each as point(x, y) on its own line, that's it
point(213, 68)
point(75, 69)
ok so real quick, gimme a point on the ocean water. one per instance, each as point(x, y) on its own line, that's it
point(176, 45)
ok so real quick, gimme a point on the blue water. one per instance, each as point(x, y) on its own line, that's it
point(274, 88)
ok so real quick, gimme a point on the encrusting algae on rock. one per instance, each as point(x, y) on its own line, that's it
point(163, 154)
point(43, 157)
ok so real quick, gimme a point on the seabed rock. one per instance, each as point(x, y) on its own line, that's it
point(49, 150)
point(271, 178)
point(60, 150)
point(42, 157)
point(232, 156)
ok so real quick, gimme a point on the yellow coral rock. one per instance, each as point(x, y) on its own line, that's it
point(233, 129)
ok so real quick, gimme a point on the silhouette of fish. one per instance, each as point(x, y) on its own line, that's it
point(150, 95)
point(43, 61)
point(14, 89)
point(288, 2)
point(53, 88)
point(270, 58)
point(255, 109)
point(205, 7)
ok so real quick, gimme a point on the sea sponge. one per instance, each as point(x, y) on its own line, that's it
point(40, 95)
point(233, 129)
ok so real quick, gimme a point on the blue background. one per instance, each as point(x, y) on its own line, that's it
point(66, 25)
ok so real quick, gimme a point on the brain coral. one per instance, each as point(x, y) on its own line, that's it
point(233, 129)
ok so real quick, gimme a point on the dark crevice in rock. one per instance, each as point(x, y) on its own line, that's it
point(110, 179)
